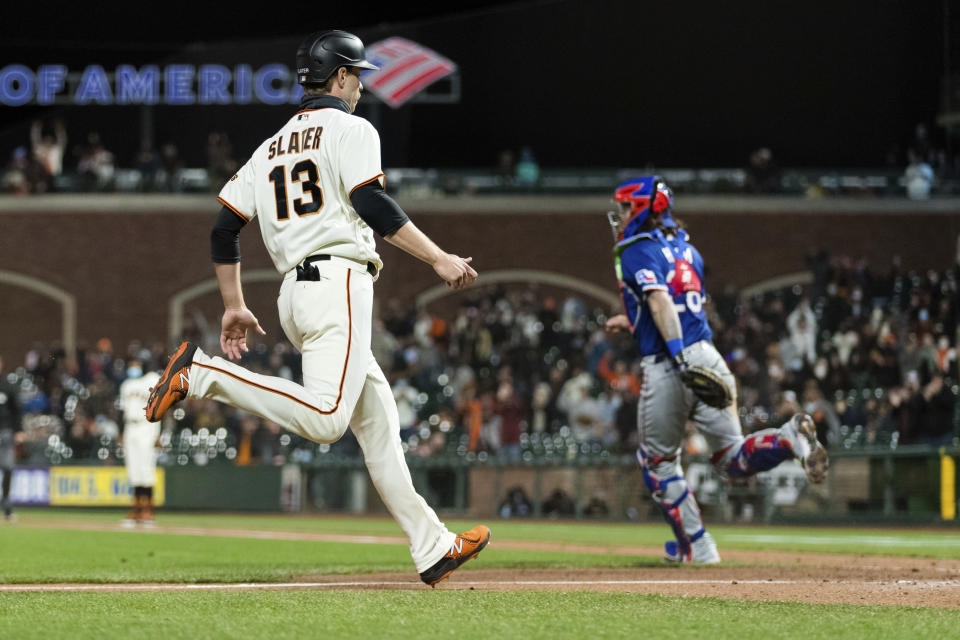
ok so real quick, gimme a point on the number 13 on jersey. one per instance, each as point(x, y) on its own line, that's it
point(304, 172)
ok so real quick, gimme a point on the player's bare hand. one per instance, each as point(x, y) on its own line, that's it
point(617, 324)
point(455, 271)
point(233, 331)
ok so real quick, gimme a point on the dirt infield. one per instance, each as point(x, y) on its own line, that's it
point(764, 575)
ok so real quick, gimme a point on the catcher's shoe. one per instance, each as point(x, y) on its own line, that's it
point(465, 546)
point(801, 433)
point(173, 384)
point(702, 551)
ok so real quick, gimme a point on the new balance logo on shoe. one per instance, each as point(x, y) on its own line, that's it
point(174, 383)
point(466, 546)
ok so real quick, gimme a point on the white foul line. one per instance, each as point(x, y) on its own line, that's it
point(316, 585)
point(865, 541)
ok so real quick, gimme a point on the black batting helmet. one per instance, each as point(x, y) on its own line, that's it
point(322, 53)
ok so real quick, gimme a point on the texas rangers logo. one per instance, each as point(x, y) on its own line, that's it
point(645, 276)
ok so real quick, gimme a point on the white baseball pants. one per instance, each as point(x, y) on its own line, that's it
point(139, 452)
point(329, 322)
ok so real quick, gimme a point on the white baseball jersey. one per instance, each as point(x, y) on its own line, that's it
point(298, 183)
point(139, 436)
point(133, 397)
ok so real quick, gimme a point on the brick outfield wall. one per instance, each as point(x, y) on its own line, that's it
point(123, 268)
point(622, 489)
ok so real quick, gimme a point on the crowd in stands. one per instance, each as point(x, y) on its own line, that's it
point(515, 374)
point(872, 356)
point(922, 168)
point(47, 164)
point(917, 168)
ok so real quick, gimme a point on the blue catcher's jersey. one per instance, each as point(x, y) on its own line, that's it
point(649, 261)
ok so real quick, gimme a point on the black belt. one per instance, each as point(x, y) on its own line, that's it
point(308, 272)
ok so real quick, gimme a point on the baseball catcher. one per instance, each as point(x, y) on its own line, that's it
point(684, 377)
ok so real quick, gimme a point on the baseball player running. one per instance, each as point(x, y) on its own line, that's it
point(139, 442)
point(661, 285)
point(317, 189)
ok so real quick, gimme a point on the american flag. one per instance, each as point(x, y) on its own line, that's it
point(406, 68)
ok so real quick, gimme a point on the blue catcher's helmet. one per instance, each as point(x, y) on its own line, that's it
point(642, 196)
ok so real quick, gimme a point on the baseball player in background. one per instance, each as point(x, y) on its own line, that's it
point(10, 435)
point(139, 442)
point(317, 189)
point(661, 285)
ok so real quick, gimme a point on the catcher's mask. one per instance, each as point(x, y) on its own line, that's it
point(322, 53)
point(636, 199)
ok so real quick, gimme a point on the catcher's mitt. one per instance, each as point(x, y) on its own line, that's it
point(707, 385)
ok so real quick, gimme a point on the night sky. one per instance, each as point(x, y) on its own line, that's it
point(605, 83)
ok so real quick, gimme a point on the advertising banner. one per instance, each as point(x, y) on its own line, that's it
point(97, 486)
point(406, 69)
point(30, 486)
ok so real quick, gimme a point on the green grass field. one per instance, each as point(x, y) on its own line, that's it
point(449, 614)
point(40, 550)
point(859, 540)
point(47, 556)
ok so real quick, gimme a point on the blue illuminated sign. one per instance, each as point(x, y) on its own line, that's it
point(94, 87)
point(50, 82)
point(173, 84)
point(214, 83)
point(138, 87)
point(17, 85)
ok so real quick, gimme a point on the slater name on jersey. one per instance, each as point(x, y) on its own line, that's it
point(302, 140)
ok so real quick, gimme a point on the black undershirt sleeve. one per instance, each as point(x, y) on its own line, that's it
point(377, 209)
point(225, 237)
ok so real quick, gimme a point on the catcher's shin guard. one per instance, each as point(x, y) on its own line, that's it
point(759, 451)
point(668, 488)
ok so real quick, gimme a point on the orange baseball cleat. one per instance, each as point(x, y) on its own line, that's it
point(465, 546)
point(173, 384)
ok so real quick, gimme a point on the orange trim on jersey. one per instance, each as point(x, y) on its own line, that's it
point(343, 375)
point(376, 177)
point(232, 208)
